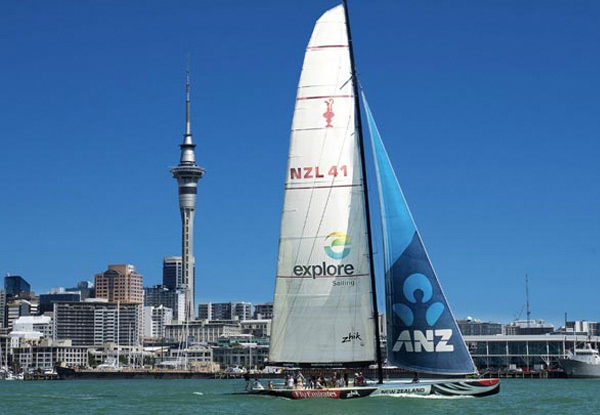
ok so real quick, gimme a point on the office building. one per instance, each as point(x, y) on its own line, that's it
point(94, 323)
point(173, 272)
point(161, 295)
point(46, 301)
point(201, 331)
point(225, 311)
point(120, 283)
point(155, 320)
point(15, 286)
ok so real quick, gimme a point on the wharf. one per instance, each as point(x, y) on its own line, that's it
point(40, 376)
point(525, 374)
point(67, 373)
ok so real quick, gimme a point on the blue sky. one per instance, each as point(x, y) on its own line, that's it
point(489, 110)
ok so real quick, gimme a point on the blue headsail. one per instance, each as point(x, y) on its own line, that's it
point(422, 333)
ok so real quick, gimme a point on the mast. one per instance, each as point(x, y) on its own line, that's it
point(365, 194)
point(527, 295)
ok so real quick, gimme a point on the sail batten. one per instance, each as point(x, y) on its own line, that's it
point(322, 304)
point(422, 333)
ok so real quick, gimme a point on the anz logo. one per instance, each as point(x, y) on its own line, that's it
point(417, 340)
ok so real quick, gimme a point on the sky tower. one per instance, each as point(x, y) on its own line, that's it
point(187, 173)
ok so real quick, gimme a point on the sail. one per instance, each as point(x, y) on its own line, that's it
point(422, 334)
point(322, 311)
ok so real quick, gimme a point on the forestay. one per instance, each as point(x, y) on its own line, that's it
point(422, 333)
point(322, 311)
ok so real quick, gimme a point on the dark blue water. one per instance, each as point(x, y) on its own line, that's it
point(166, 397)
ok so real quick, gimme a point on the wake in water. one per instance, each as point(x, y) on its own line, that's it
point(198, 393)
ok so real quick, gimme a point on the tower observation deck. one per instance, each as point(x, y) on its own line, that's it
point(187, 173)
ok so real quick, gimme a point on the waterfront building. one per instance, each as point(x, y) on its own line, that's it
point(527, 327)
point(173, 272)
point(471, 327)
point(48, 353)
point(95, 323)
point(155, 320)
point(522, 352)
point(201, 331)
point(39, 324)
point(161, 295)
point(187, 174)
point(120, 283)
point(4, 350)
point(196, 356)
point(241, 351)
point(583, 327)
point(46, 301)
point(263, 311)
point(225, 311)
point(257, 328)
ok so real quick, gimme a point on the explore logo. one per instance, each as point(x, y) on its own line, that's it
point(417, 289)
point(337, 245)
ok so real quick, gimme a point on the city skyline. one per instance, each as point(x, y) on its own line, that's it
point(489, 112)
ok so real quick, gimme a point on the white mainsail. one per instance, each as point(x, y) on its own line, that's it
point(323, 307)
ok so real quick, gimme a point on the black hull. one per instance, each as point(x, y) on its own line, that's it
point(477, 388)
point(70, 373)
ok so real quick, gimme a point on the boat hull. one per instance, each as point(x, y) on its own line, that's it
point(577, 369)
point(454, 387)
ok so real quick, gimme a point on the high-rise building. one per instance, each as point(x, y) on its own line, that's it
point(173, 272)
point(14, 285)
point(47, 300)
point(187, 173)
point(93, 323)
point(120, 283)
point(160, 295)
point(155, 320)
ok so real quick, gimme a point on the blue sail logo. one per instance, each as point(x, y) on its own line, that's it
point(417, 289)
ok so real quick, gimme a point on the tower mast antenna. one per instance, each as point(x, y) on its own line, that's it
point(187, 173)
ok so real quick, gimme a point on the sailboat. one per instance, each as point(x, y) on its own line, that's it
point(325, 303)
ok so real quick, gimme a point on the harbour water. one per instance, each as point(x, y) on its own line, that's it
point(180, 397)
